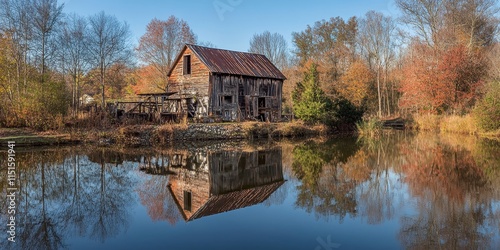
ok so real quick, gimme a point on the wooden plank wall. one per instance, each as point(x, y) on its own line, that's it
point(197, 81)
point(232, 170)
point(245, 93)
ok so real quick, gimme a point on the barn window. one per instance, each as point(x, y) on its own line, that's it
point(228, 99)
point(261, 158)
point(187, 200)
point(262, 102)
point(187, 65)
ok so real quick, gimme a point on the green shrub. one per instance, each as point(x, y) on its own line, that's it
point(487, 110)
point(369, 128)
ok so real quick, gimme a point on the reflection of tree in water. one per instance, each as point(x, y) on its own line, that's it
point(62, 193)
point(325, 188)
point(454, 198)
point(454, 185)
point(153, 192)
point(376, 166)
point(110, 199)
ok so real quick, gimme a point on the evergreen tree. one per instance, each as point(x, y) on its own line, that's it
point(310, 102)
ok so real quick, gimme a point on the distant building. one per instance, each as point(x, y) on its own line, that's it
point(86, 99)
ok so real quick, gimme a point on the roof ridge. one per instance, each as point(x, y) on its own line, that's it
point(244, 52)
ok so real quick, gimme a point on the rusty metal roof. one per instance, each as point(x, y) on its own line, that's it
point(235, 62)
point(235, 200)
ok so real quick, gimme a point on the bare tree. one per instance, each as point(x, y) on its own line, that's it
point(494, 58)
point(425, 16)
point(474, 21)
point(73, 53)
point(375, 35)
point(46, 15)
point(273, 46)
point(108, 43)
point(16, 22)
point(161, 44)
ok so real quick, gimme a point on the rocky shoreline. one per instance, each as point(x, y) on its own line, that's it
point(151, 135)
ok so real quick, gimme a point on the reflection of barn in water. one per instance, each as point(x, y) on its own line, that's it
point(224, 181)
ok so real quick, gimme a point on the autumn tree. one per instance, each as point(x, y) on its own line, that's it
point(273, 46)
point(161, 43)
point(108, 43)
point(15, 22)
point(7, 83)
point(473, 22)
point(330, 44)
point(452, 36)
point(354, 84)
point(446, 84)
point(487, 110)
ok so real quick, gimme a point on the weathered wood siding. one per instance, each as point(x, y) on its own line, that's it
point(242, 97)
point(194, 83)
point(232, 170)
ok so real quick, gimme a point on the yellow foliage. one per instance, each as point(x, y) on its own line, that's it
point(353, 85)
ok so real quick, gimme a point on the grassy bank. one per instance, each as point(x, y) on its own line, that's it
point(27, 137)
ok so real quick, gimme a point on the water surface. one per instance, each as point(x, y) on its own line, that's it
point(398, 191)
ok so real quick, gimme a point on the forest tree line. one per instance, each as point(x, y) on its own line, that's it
point(439, 56)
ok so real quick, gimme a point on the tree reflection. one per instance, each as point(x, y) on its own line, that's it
point(443, 191)
point(62, 193)
point(452, 183)
point(325, 189)
point(454, 197)
point(153, 191)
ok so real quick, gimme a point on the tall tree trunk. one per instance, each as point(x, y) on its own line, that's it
point(388, 103)
point(43, 59)
point(378, 91)
point(102, 86)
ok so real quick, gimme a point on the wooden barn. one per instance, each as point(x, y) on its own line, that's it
point(226, 85)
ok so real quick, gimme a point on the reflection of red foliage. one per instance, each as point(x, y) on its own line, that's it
point(154, 195)
point(444, 172)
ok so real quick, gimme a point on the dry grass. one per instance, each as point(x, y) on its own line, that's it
point(298, 129)
point(447, 124)
point(458, 124)
point(428, 122)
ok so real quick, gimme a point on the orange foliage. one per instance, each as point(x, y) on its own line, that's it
point(354, 84)
point(149, 80)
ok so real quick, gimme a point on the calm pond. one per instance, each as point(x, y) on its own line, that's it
point(398, 191)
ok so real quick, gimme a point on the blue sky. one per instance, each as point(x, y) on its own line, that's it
point(229, 24)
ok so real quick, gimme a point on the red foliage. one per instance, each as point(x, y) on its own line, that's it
point(439, 82)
